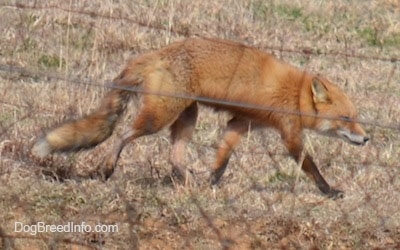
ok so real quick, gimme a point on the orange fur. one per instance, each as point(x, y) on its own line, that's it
point(220, 70)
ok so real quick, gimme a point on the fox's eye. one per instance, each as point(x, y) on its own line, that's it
point(345, 118)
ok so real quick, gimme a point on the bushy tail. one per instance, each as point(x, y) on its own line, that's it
point(86, 132)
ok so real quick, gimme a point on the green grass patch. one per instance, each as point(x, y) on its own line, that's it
point(47, 61)
point(373, 37)
point(316, 24)
point(280, 177)
point(85, 41)
point(28, 44)
point(5, 118)
point(370, 36)
point(393, 40)
point(289, 12)
point(260, 10)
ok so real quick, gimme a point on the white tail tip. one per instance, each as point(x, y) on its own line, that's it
point(41, 148)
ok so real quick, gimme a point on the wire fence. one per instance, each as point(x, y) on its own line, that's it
point(186, 33)
point(250, 210)
point(206, 100)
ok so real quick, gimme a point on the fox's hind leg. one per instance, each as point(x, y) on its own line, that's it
point(235, 129)
point(111, 160)
point(152, 117)
point(181, 133)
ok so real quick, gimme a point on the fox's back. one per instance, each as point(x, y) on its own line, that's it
point(223, 69)
point(232, 71)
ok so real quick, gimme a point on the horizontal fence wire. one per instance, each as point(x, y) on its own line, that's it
point(186, 32)
point(206, 100)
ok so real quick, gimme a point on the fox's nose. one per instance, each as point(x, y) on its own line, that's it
point(366, 139)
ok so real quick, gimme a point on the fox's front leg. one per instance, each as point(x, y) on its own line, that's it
point(294, 145)
point(311, 170)
point(235, 129)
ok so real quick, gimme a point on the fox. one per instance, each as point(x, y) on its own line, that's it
point(227, 76)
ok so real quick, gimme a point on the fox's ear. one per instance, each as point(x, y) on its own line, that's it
point(320, 93)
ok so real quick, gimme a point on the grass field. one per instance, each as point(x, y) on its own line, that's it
point(55, 58)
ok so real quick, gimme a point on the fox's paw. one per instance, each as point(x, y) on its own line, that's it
point(335, 194)
point(183, 176)
point(215, 178)
point(102, 173)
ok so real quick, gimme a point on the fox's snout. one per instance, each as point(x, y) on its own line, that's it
point(352, 137)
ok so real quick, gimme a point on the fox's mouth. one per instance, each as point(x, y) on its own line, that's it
point(357, 143)
point(352, 138)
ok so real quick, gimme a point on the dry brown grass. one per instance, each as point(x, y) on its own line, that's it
point(260, 204)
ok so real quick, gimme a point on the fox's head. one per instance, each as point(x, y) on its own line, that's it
point(336, 114)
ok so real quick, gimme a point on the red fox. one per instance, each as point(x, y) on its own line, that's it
point(214, 69)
